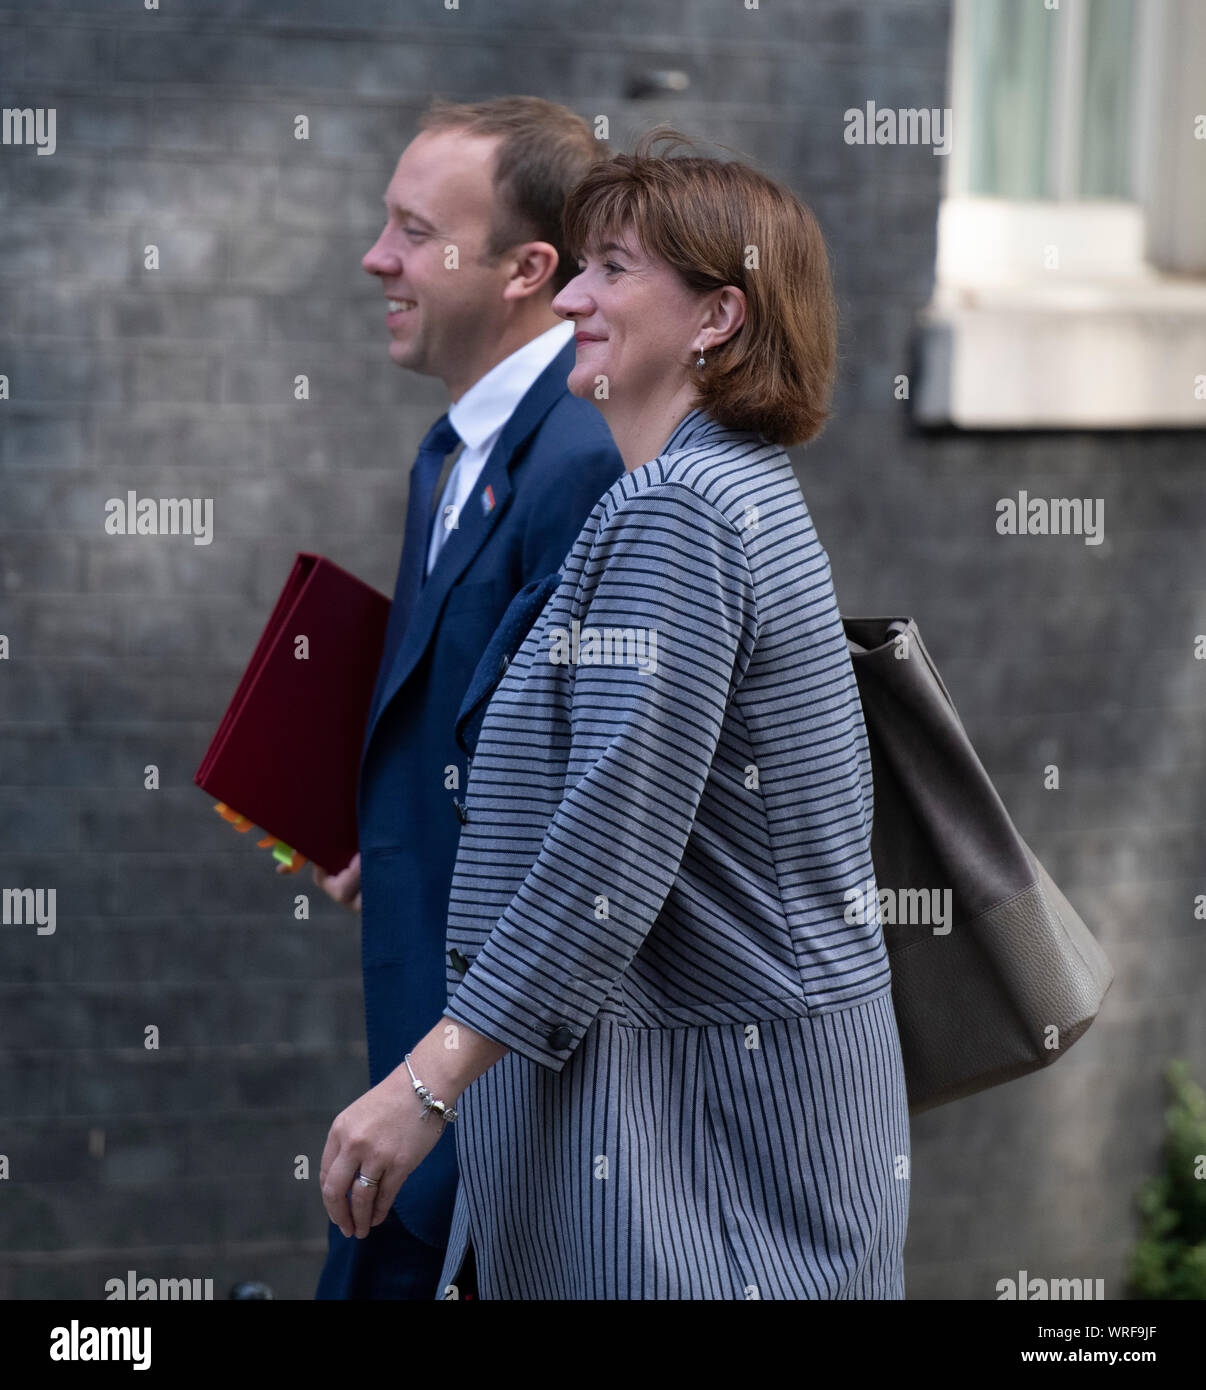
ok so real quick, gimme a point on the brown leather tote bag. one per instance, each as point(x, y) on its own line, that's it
point(1013, 977)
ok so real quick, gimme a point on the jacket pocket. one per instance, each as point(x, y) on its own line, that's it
point(470, 598)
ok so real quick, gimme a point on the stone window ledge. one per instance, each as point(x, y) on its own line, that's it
point(1104, 342)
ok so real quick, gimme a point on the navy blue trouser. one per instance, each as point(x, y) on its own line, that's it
point(389, 1262)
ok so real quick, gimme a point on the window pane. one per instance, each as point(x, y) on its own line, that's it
point(1106, 134)
point(1010, 92)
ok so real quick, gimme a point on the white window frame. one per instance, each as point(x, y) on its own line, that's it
point(1112, 334)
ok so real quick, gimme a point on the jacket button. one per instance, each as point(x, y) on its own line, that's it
point(560, 1038)
point(458, 961)
point(502, 666)
point(462, 811)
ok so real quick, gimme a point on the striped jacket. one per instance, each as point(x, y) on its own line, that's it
point(668, 799)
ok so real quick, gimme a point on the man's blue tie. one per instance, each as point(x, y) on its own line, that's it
point(412, 568)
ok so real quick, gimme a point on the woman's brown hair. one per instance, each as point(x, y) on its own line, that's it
point(721, 222)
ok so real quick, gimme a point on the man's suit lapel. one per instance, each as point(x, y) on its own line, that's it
point(475, 523)
point(525, 608)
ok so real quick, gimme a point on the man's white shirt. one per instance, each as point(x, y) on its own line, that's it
point(479, 416)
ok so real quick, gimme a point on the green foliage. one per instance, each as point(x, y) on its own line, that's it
point(1169, 1260)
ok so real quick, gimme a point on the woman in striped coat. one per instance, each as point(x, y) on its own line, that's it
point(673, 1056)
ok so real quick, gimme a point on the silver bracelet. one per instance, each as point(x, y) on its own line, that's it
point(445, 1112)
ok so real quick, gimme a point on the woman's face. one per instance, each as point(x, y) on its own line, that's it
point(637, 326)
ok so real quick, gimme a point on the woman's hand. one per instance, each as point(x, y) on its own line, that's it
point(383, 1135)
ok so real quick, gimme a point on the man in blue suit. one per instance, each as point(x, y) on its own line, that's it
point(469, 261)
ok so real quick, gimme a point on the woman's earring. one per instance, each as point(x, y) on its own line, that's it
point(700, 363)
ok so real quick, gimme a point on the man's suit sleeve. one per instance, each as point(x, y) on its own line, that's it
point(642, 741)
point(560, 513)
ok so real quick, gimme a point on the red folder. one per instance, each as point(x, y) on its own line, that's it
point(287, 753)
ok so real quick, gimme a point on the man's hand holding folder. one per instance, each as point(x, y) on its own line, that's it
point(344, 886)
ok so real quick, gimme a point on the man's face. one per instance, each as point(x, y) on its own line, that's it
point(441, 196)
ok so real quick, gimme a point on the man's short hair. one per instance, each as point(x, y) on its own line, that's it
point(721, 222)
point(543, 150)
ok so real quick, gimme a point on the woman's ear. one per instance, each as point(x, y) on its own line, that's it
point(727, 316)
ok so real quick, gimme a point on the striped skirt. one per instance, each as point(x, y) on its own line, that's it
point(762, 1160)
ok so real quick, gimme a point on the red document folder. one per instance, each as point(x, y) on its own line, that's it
point(287, 753)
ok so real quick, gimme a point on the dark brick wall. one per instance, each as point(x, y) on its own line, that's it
point(177, 128)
